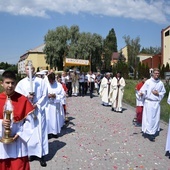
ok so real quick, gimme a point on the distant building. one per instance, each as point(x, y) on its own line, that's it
point(163, 57)
point(150, 59)
point(114, 58)
point(153, 61)
point(143, 57)
point(165, 43)
point(37, 57)
point(124, 52)
point(117, 55)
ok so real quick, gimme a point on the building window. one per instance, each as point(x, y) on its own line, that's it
point(167, 33)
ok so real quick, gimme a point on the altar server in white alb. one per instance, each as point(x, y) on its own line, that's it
point(153, 92)
point(38, 144)
point(104, 90)
point(116, 92)
point(54, 108)
point(167, 148)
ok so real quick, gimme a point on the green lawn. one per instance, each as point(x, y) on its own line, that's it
point(129, 97)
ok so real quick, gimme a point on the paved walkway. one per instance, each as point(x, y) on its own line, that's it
point(99, 139)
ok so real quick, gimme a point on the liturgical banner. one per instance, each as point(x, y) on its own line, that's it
point(75, 62)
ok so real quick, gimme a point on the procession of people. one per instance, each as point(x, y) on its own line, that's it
point(44, 103)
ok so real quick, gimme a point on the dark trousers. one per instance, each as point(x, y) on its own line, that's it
point(98, 88)
point(85, 88)
point(81, 88)
point(69, 87)
point(91, 88)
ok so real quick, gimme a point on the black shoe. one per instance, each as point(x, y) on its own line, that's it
point(113, 109)
point(151, 138)
point(67, 120)
point(31, 158)
point(137, 124)
point(50, 136)
point(167, 153)
point(55, 136)
point(145, 135)
point(43, 162)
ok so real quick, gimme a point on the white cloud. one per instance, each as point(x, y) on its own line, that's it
point(153, 10)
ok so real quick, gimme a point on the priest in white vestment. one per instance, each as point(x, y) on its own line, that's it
point(116, 92)
point(38, 144)
point(153, 91)
point(54, 108)
point(104, 90)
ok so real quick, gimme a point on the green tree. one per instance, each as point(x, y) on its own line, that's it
point(65, 42)
point(140, 70)
point(88, 46)
point(146, 71)
point(13, 68)
point(56, 46)
point(96, 50)
point(162, 71)
point(151, 50)
point(74, 34)
point(122, 67)
point(167, 67)
point(133, 48)
point(121, 57)
point(110, 46)
point(4, 65)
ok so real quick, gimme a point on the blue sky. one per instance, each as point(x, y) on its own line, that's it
point(25, 23)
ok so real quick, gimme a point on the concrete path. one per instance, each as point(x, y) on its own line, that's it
point(99, 139)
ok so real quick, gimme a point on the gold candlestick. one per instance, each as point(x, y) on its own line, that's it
point(7, 132)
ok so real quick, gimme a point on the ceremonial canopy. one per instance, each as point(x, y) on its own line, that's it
point(75, 62)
